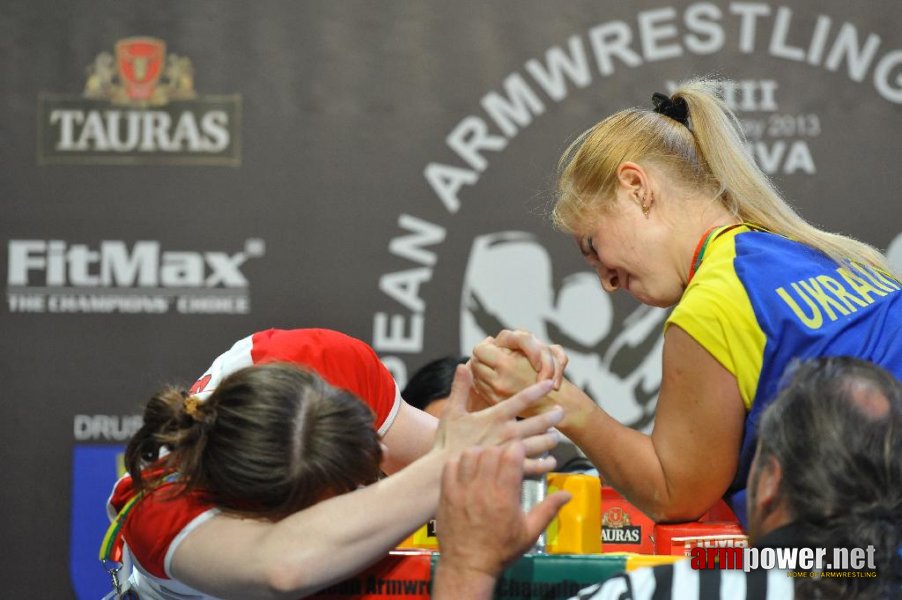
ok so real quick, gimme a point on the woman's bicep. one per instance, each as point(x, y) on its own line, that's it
point(698, 424)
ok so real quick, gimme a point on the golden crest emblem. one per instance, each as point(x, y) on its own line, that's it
point(615, 517)
point(141, 74)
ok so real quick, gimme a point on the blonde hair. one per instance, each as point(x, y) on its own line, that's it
point(709, 155)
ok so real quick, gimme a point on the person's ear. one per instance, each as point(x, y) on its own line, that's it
point(770, 477)
point(633, 179)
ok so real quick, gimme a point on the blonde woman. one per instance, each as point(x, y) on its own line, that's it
point(665, 203)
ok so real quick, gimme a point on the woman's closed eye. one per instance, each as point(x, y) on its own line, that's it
point(591, 253)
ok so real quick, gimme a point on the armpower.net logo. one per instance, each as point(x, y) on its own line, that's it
point(798, 562)
point(139, 106)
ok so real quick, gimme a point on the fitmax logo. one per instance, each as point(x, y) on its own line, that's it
point(57, 277)
point(112, 264)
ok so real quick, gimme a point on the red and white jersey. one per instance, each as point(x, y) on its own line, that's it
point(343, 361)
point(157, 524)
point(153, 530)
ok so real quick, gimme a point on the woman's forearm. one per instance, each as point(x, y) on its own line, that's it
point(323, 544)
point(233, 557)
point(626, 459)
point(690, 458)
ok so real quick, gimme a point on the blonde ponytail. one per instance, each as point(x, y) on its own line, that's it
point(710, 154)
point(744, 188)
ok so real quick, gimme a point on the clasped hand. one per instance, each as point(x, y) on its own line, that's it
point(513, 360)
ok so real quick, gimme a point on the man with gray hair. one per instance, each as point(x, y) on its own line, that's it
point(827, 474)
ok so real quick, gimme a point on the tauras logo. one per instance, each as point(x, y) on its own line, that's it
point(116, 131)
point(139, 107)
point(621, 535)
point(616, 528)
point(56, 276)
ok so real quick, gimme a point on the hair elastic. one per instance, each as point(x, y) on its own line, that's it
point(675, 109)
point(191, 404)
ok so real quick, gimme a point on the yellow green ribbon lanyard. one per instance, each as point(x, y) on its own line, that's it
point(111, 546)
point(111, 549)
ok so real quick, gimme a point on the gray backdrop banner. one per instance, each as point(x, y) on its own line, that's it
point(178, 175)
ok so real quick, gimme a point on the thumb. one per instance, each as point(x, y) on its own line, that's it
point(542, 513)
point(460, 390)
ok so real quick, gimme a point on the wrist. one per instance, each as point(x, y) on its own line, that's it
point(577, 407)
point(434, 460)
point(465, 579)
point(469, 570)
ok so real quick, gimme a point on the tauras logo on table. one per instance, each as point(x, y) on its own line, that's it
point(139, 107)
point(61, 277)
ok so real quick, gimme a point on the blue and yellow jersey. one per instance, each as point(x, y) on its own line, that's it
point(759, 300)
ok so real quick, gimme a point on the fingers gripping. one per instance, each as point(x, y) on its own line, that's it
point(522, 341)
point(560, 363)
point(487, 353)
point(547, 361)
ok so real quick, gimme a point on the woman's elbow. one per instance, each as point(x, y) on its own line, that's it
point(676, 509)
point(676, 514)
point(288, 579)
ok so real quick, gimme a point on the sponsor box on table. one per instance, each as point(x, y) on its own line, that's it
point(627, 529)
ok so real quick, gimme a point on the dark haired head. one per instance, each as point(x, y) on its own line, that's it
point(432, 381)
point(836, 431)
point(271, 439)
